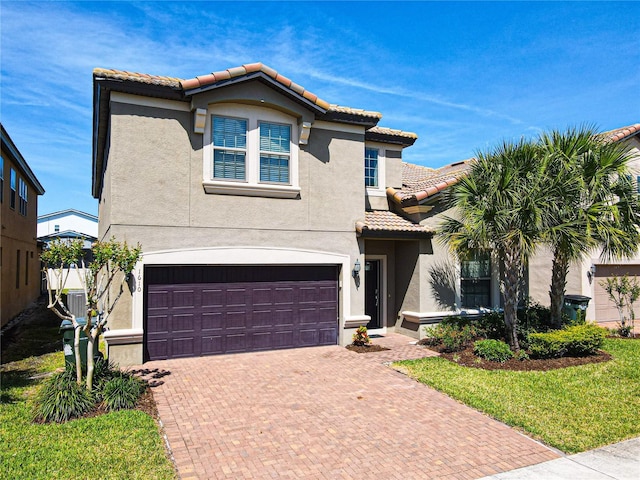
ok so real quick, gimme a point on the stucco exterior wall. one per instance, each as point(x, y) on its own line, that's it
point(20, 277)
point(153, 194)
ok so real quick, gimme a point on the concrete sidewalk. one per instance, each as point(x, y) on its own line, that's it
point(620, 461)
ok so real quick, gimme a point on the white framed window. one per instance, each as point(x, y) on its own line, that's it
point(250, 150)
point(371, 167)
point(275, 149)
point(375, 168)
point(22, 193)
point(229, 148)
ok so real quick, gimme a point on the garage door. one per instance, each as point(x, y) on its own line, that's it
point(194, 311)
point(605, 309)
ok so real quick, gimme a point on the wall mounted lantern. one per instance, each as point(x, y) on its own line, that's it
point(356, 269)
point(591, 273)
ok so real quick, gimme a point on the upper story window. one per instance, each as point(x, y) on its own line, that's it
point(371, 167)
point(12, 199)
point(229, 148)
point(56, 228)
point(275, 148)
point(475, 282)
point(22, 192)
point(638, 183)
point(251, 151)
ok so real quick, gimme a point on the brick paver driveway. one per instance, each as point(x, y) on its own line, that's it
point(325, 413)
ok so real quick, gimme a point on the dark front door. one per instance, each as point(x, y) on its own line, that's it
point(194, 311)
point(372, 292)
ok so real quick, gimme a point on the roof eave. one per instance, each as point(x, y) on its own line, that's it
point(267, 80)
point(8, 144)
point(351, 118)
point(386, 138)
point(394, 234)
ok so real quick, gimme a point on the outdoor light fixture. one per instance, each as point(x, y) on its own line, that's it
point(591, 272)
point(356, 268)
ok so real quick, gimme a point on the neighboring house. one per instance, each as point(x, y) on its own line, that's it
point(69, 225)
point(20, 267)
point(585, 277)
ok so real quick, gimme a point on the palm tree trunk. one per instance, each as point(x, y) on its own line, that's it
point(511, 284)
point(559, 271)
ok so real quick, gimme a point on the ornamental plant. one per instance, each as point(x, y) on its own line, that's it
point(492, 350)
point(361, 337)
point(623, 292)
point(103, 281)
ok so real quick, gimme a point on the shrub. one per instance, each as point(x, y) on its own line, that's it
point(103, 371)
point(448, 334)
point(546, 345)
point(122, 391)
point(361, 337)
point(61, 398)
point(493, 350)
point(584, 339)
point(576, 340)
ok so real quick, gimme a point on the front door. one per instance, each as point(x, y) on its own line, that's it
point(372, 292)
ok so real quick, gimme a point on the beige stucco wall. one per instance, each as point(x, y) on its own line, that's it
point(153, 192)
point(19, 283)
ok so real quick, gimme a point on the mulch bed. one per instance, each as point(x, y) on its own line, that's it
point(147, 404)
point(467, 358)
point(366, 348)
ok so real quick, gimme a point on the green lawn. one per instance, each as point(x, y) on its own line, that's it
point(124, 444)
point(573, 409)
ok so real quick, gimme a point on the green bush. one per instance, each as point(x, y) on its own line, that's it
point(546, 345)
point(450, 335)
point(584, 339)
point(577, 340)
point(122, 391)
point(493, 350)
point(60, 398)
point(103, 371)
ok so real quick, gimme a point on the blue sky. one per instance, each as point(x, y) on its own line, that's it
point(462, 75)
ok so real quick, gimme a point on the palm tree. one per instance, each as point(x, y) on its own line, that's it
point(596, 206)
point(502, 206)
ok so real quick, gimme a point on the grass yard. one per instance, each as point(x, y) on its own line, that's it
point(124, 444)
point(573, 409)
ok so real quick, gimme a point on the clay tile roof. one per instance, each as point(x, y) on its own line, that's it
point(420, 182)
point(393, 132)
point(354, 111)
point(137, 77)
point(622, 133)
point(246, 69)
point(386, 221)
point(234, 72)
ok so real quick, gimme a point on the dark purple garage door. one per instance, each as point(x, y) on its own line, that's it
point(202, 310)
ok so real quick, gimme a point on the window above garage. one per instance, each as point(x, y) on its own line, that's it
point(250, 151)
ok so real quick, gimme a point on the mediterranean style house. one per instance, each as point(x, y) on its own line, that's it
point(20, 267)
point(586, 277)
point(268, 218)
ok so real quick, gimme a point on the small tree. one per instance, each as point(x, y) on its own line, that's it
point(623, 292)
point(102, 281)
